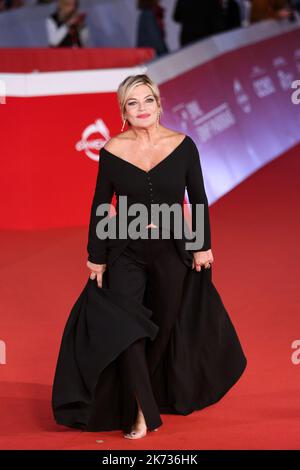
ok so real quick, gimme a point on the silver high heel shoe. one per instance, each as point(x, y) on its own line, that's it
point(138, 434)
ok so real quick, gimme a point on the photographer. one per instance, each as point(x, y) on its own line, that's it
point(66, 26)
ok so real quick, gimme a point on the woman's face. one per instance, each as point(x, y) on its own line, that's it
point(141, 108)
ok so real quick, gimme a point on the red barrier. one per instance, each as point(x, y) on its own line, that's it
point(24, 60)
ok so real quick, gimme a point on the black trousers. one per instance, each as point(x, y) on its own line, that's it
point(151, 271)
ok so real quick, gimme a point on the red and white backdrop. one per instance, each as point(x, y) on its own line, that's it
point(233, 94)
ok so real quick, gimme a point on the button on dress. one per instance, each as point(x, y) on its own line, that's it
point(201, 357)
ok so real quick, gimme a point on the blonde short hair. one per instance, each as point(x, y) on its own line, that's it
point(131, 82)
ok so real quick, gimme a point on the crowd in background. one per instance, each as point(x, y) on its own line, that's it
point(66, 26)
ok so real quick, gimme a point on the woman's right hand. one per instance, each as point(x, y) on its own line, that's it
point(97, 271)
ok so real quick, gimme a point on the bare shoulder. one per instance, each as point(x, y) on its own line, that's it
point(173, 135)
point(116, 144)
point(173, 139)
point(179, 135)
point(111, 144)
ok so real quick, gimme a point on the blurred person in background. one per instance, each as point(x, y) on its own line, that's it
point(66, 26)
point(245, 8)
point(270, 9)
point(199, 19)
point(150, 30)
point(231, 14)
point(295, 7)
point(10, 4)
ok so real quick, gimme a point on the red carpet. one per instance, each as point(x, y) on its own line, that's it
point(255, 236)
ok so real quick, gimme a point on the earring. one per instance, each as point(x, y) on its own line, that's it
point(157, 120)
point(124, 122)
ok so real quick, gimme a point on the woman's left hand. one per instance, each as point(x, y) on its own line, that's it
point(202, 258)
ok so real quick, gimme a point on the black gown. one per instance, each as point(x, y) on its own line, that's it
point(203, 358)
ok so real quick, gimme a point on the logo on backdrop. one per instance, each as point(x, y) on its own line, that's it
point(92, 139)
point(206, 125)
point(242, 98)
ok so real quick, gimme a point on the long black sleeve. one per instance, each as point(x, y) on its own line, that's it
point(197, 195)
point(97, 247)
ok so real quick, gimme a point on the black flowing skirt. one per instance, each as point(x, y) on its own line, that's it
point(203, 359)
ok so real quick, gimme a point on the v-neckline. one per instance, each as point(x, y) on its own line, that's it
point(155, 166)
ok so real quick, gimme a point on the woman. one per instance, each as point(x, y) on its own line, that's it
point(149, 333)
point(66, 26)
point(151, 30)
point(198, 20)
